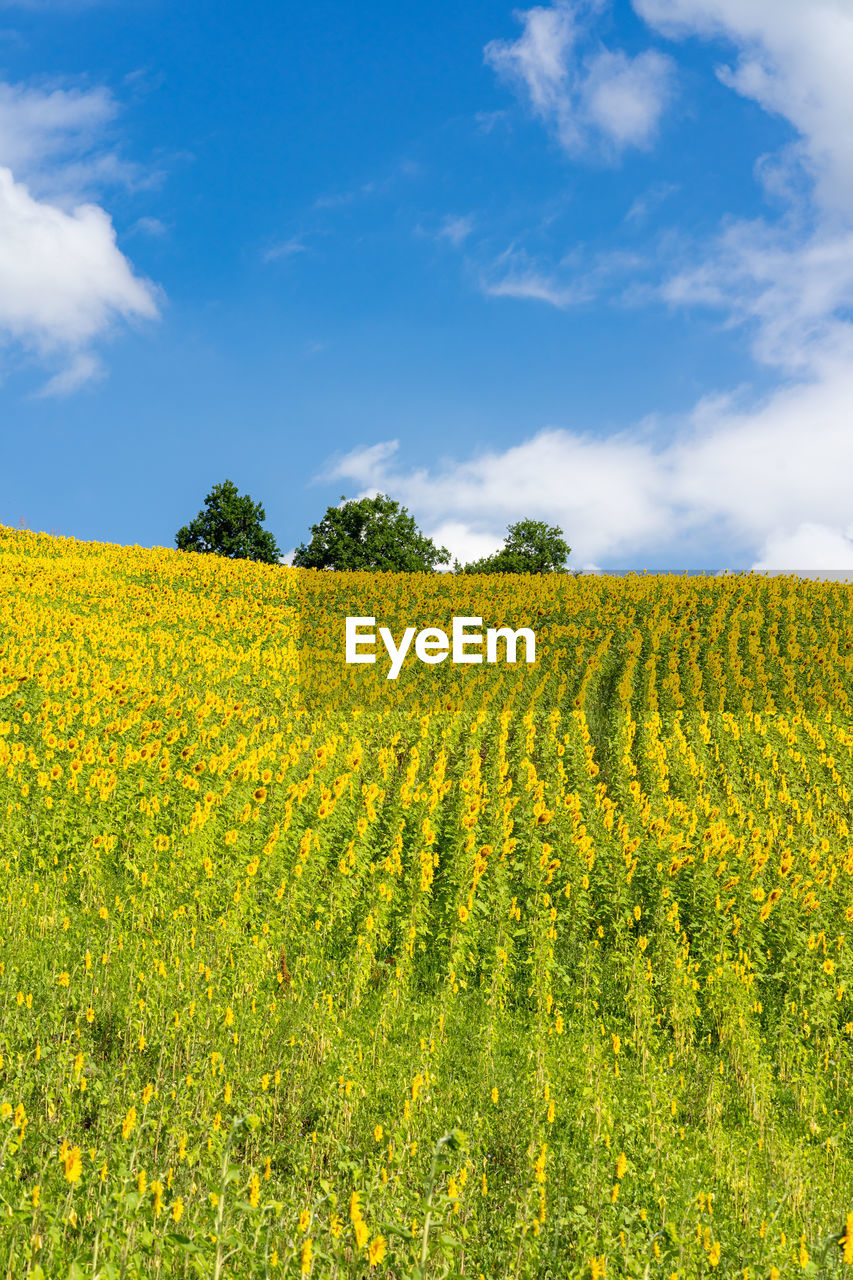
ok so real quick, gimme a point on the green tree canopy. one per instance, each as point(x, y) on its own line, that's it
point(531, 546)
point(369, 533)
point(230, 524)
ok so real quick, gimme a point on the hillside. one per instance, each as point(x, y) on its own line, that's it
point(498, 970)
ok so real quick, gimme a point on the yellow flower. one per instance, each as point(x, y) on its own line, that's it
point(361, 1233)
point(304, 1220)
point(157, 1192)
point(621, 1165)
point(305, 1260)
point(73, 1165)
point(377, 1251)
point(714, 1254)
point(129, 1123)
point(846, 1241)
point(177, 1210)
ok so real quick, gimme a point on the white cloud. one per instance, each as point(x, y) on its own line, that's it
point(794, 289)
point(577, 278)
point(456, 229)
point(625, 97)
point(82, 368)
point(463, 543)
point(537, 286)
point(149, 227)
point(808, 545)
point(63, 280)
point(37, 124)
point(54, 140)
point(286, 249)
point(650, 200)
point(610, 489)
point(765, 484)
point(794, 58)
point(603, 100)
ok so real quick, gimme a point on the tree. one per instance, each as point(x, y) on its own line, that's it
point(531, 546)
point(231, 524)
point(370, 533)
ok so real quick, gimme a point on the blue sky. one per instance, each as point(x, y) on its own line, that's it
point(589, 262)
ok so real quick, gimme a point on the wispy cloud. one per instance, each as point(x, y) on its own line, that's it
point(577, 278)
point(286, 249)
point(148, 227)
point(59, 141)
point(649, 201)
point(455, 230)
point(532, 285)
point(405, 169)
point(596, 101)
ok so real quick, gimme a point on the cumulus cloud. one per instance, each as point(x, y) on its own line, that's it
point(601, 99)
point(794, 60)
point(62, 277)
point(792, 280)
point(752, 482)
point(809, 544)
point(64, 283)
point(763, 482)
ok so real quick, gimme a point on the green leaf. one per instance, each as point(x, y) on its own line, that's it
point(391, 1229)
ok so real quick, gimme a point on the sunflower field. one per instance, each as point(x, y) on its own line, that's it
point(531, 970)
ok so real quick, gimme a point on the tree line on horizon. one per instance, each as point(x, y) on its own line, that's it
point(375, 534)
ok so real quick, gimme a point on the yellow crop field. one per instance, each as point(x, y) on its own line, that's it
point(531, 970)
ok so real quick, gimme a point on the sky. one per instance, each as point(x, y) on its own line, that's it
point(588, 262)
